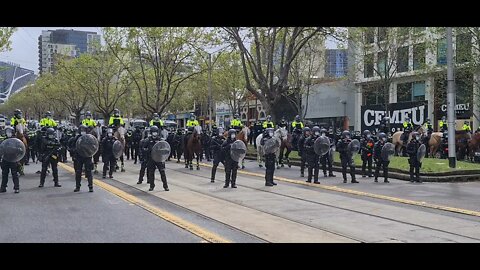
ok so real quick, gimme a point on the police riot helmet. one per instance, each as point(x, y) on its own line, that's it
point(269, 117)
point(366, 133)
point(269, 131)
point(297, 118)
point(382, 136)
point(220, 130)
point(48, 114)
point(116, 113)
point(50, 133)
point(154, 131)
point(88, 114)
point(316, 130)
point(232, 132)
point(346, 134)
point(155, 115)
point(82, 129)
point(9, 131)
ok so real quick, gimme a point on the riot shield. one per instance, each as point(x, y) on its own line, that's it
point(117, 149)
point(87, 145)
point(321, 145)
point(388, 150)
point(271, 146)
point(354, 146)
point(422, 150)
point(238, 150)
point(12, 150)
point(160, 151)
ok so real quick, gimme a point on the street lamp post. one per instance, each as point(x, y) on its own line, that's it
point(344, 102)
point(210, 91)
point(450, 102)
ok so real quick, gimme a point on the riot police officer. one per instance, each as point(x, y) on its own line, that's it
point(283, 122)
point(8, 166)
point(377, 156)
point(257, 130)
point(327, 159)
point(215, 145)
point(346, 156)
point(116, 120)
point(301, 149)
point(152, 165)
point(88, 121)
point(412, 151)
point(384, 125)
point(236, 123)
point(231, 166)
point(136, 138)
point(17, 119)
point(366, 147)
point(128, 144)
point(443, 124)
point(429, 129)
point(312, 157)
point(47, 121)
point(407, 128)
point(107, 154)
point(177, 145)
point(269, 159)
point(142, 156)
point(50, 150)
point(79, 162)
point(156, 121)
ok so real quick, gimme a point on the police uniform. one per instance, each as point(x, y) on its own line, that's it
point(415, 164)
point(215, 146)
point(78, 163)
point(466, 128)
point(107, 156)
point(366, 146)
point(429, 128)
point(269, 161)
point(158, 123)
point(177, 144)
point(236, 124)
point(47, 122)
point(327, 160)
point(136, 138)
point(128, 144)
point(257, 130)
point(346, 159)
point(230, 165)
point(443, 126)
point(6, 168)
point(50, 151)
point(142, 155)
point(116, 121)
point(153, 165)
point(89, 123)
point(379, 161)
point(205, 139)
point(302, 154)
point(267, 124)
point(312, 158)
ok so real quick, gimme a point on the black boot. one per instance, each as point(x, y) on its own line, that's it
point(227, 180)
point(57, 184)
point(214, 171)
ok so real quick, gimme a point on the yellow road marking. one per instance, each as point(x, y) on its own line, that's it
point(194, 229)
point(366, 194)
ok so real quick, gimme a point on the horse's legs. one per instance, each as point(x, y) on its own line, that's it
point(123, 166)
point(198, 157)
point(243, 163)
point(289, 150)
point(280, 156)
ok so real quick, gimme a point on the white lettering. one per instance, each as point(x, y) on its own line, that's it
point(378, 117)
point(395, 116)
point(404, 114)
point(366, 118)
point(418, 118)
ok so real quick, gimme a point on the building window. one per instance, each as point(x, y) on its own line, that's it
point(463, 48)
point(262, 115)
point(419, 56)
point(368, 66)
point(382, 33)
point(373, 95)
point(442, 51)
point(411, 91)
point(382, 63)
point(402, 59)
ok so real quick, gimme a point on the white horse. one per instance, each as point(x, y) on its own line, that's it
point(120, 135)
point(260, 151)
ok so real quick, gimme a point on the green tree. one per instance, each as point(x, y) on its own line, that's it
point(5, 35)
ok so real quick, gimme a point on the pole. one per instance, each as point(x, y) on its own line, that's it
point(450, 102)
point(210, 91)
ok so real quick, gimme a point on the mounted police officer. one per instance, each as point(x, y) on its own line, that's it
point(88, 121)
point(443, 125)
point(366, 147)
point(79, 162)
point(466, 127)
point(8, 166)
point(50, 150)
point(47, 121)
point(257, 130)
point(346, 156)
point(191, 123)
point(415, 164)
point(215, 145)
point(236, 123)
point(156, 121)
point(17, 119)
point(327, 159)
point(297, 127)
point(116, 120)
point(283, 123)
point(312, 157)
point(268, 123)
point(429, 129)
point(301, 149)
point(231, 166)
point(152, 165)
point(108, 157)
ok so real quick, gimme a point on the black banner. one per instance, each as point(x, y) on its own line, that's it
point(463, 111)
point(373, 114)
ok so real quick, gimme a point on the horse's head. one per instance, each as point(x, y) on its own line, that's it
point(197, 130)
point(281, 133)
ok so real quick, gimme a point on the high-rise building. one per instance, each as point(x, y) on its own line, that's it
point(70, 43)
point(13, 78)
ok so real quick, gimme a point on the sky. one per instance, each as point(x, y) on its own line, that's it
point(25, 45)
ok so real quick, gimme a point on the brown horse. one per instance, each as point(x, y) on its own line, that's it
point(462, 139)
point(194, 146)
point(474, 145)
point(398, 142)
point(242, 136)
